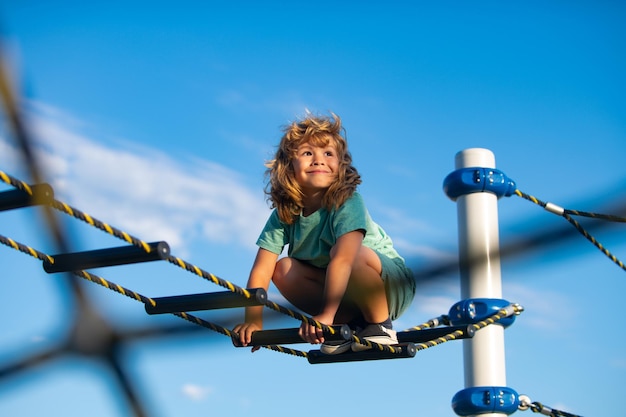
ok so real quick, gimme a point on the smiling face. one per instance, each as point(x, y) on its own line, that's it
point(312, 168)
point(315, 167)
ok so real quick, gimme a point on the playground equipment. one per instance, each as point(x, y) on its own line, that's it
point(479, 319)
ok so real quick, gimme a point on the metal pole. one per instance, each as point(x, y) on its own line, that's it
point(480, 274)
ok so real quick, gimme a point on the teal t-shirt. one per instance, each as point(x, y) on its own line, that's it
point(311, 238)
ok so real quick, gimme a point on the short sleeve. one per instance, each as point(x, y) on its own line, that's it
point(351, 216)
point(273, 236)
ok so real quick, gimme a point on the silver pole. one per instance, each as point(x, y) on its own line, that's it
point(477, 214)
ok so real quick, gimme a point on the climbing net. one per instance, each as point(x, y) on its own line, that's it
point(43, 194)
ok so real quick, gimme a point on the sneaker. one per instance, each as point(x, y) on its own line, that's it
point(335, 347)
point(375, 333)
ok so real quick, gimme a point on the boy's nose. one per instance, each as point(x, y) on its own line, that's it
point(318, 161)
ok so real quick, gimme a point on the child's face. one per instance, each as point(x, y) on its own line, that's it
point(315, 167)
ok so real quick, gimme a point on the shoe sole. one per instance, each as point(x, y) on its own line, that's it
point(336, 349)
point(358, 347)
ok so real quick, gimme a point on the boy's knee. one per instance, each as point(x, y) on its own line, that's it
point(280, 271)
point(367, 260)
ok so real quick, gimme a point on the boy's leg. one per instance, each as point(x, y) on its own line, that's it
point(303, 286)
point(366, 288)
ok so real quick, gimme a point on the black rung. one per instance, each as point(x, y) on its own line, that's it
point(291, 336)
point(14, 199)
point(206, 301)
point(106, 257)
point(426, 335)
point(403, 350)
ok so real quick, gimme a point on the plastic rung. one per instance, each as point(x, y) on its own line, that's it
point(106, 257)
point(291, 336)
point(14, 199)
point(425, 335)
point(404, 350)
point(206, 301)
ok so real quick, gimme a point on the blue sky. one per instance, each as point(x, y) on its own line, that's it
point(156, 117)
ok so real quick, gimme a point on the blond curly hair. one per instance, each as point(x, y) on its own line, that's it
point(282, 190)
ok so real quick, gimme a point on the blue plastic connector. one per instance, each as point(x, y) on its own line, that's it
point(477, 180)
point(482, 400)
point(474, 310)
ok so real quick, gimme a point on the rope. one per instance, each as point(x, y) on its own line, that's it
point(432, 323)
point(435, 322)
point(507, 311)
point(20, 185)
point(92, 221)
point(134, 295)
point(242, 291)
point(567, 214)
point(537, 407)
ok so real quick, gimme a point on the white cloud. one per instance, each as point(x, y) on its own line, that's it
point(144, 191)
point(196, 392)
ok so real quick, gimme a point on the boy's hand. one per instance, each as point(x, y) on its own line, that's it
point(245, 330)
point(312, 334)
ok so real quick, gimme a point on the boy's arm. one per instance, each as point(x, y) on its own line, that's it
point(343, 256)
point(260, 277)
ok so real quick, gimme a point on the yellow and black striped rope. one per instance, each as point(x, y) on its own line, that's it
point(65, 208)
point(20, 185)
point(375, 346)
point(537, 407)
point(593, 240)
point(608, 217)
point(502, 313)
point(494, 318)
point(82, 274)
point(530, 198)
point(114, 287)
point(231, 334)
point(92, 221)
point(78, 214)
point(200, 322)
point(219, 329)
point(134, 295)
point(438, 341)
point(286, 350)
point(566, 213)
point(208, 276)
point(432, 323)
point(244, 292)
point(25, 249)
